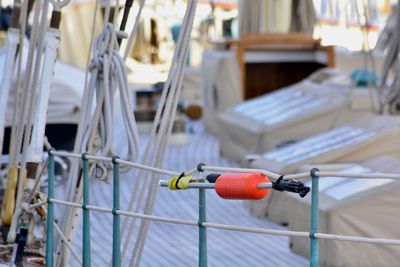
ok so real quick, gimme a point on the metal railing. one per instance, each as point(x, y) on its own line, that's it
point(201, 223)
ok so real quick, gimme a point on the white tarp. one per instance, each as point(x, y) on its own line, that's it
point(316, 104)
point(65, 96)
point(369, 137)
point(357, 207)
point(221, 85)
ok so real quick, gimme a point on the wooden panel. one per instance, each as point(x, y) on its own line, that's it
point(262, 78)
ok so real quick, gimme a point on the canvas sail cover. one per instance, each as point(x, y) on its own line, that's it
point(357, 207)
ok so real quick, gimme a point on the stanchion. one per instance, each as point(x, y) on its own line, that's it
point(116, 253)
point(314, 253)
point(86, 214)
point(50, 213)
point(202, 219)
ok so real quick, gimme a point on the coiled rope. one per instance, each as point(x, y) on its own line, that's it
point(107, 74)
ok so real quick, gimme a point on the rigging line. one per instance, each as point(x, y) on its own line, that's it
point(22, 117)
point(168, 89)
point(107, 12)
point(85, 108)
point(35, 86)
point(37, 141)
point(391, 59)
point(23, 114)
point(125, 16)
point(369, 57)
point(392, 95)
point(28, 114)
point(164, 137)
point(105, 43)
point(8, 73)
point(348, 96)
point(23, 20)
point(149, 147)
point(134, 30)
point(158, 126)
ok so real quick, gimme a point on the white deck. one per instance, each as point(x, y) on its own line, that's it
point(176, 245)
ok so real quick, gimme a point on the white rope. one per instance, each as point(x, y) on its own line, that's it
point(36, 205)
point(367, 56)
point(104, 112)
point(27, 116)
point(389, 96)
point(128, 227)
point(8, 71)
point(148, 168)
point(134, 30)
point(14, 129)
point(29, 123)
point(105, 77)
point(28, 89)
point(161, 131)
point(72, 186)
point(67, 243)
point(107, 73)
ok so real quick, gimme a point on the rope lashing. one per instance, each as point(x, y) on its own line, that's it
point(293, 186)
point(212, 177)
point(180, 182)
point(41, 210)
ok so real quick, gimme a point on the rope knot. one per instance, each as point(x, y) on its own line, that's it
point(180, 182)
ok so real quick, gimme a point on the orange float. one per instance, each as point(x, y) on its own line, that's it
point(241, 186)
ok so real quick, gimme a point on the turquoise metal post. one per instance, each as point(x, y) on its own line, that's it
point(314, 253)
point(50, 214)
point(202, 218)
point(116, 253)
point(86, 215)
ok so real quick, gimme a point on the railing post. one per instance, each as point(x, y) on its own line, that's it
point(50, 214)
point(86, 214)
point(202, 219)
point(116, 253)
point(314, 248)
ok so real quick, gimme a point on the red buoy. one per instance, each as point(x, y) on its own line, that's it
point(241, 186)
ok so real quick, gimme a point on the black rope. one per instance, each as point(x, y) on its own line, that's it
point(127, 9)
point(293, 186)
point(177, 180)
